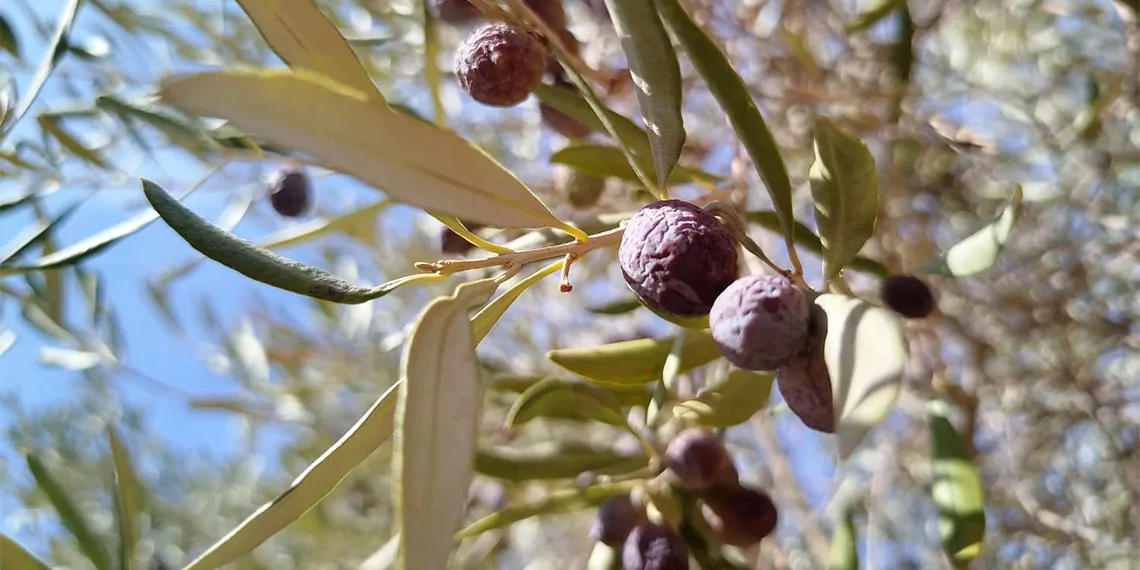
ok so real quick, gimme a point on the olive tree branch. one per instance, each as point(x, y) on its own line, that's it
point(572, 250)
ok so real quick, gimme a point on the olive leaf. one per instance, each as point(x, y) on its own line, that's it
point(70, 514)
point(635, 361)
point(303, 37)
point(52, 125)
point(560, 460)
point(260, 264)
point(15, 557)
point(844, 553)
point(980, 251)
point(573, 105)
point(128, 498)
point(603, 160)
point(8, 40)
point(350, 133)
point(564, 501)
point(957, 490)
point(619, 306)
point(53, 54)
point(312, 485)
point(730, 401)
point(657, 77)
point(874, 15)
point(845, 188)
point(865, 352)
point(565, 399)
point(729, 89)
point(807, 238)
point(437, 421)
point(485, 319)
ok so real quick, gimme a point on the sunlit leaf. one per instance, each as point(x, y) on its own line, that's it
point(303, 37)
point(564, 501)
point(317, 481)
point(730, 91)
point(260, 264)
point(436, 427)
point(565, 399)
point(69, 513)
point(17, 201)
point(845, 188)
point(485, 319)
point(844, 554)
point(9, 42)
point(128, 499)
point(865, 351)
point(730, 401)
point(53, 54)
point(602, 160)
point(560, 460)
point(410, 160)
point(16, 557)
point(7, 340)
point(627, 396)
point(635, 361)
point(656, 76)
point(980, 251)
point(68, 358)
point(957, 490)
point(31, 236)
point(807, 238)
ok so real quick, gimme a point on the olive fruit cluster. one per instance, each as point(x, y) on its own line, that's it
point(699, 469)
point(681, 261)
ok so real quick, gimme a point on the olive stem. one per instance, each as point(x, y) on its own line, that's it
point(736, 226)
point(576, 249)
point(553, 37)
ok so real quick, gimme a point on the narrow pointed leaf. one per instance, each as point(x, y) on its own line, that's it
point(845, 187)
point(436, 428)
point(626, 396)
point(635, 361)
point(128, 499)
point(316, 482)
point(731, 401)
point(807, 238)
point(179, 130)
point(844, 554)
point(69, 514)
point(17, 201)
point(16, 557)
point(865, 353)
point(303, 37)
point(8, 40)
point(980, 251)
point(602, 160)
point(32, 236)
point(656, 76)
point(732, 94)
point(554, 461)
point(51, 58)
point(565, 399)
point(51, 125)
point(408, 159)
point(564, 501)
point(573, 105)
point(260, 264)
point(485, 319)
point(957, 491)
point(7, 340)
point(616, 307)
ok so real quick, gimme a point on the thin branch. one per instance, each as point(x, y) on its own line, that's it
point(576, 249)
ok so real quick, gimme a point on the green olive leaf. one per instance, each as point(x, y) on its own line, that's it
point(553, 460)
point(616, 307)
point(8, 40)
point(53, 125)
point(53, 54)
point(730, 401)
point(259, 263)
point(604, 160)
point(845, 188)
point(566, 399)
point(437, 423)
point(656, 76)
point(485, 319)
point(980, 251)
point(410, 160)
point(575, 106)
point(730, 91)
point(844, 553)
point(15, 557)
point(72, 517)
point(957, 490)
point(304, 38)
point(635, 361)
point(865, 352)
point(563, 501)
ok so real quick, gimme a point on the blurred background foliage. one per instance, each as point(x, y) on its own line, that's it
point(959, 100)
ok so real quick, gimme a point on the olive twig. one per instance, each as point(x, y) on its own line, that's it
point(547, 32)
point(735, 226)
point(576, 249)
